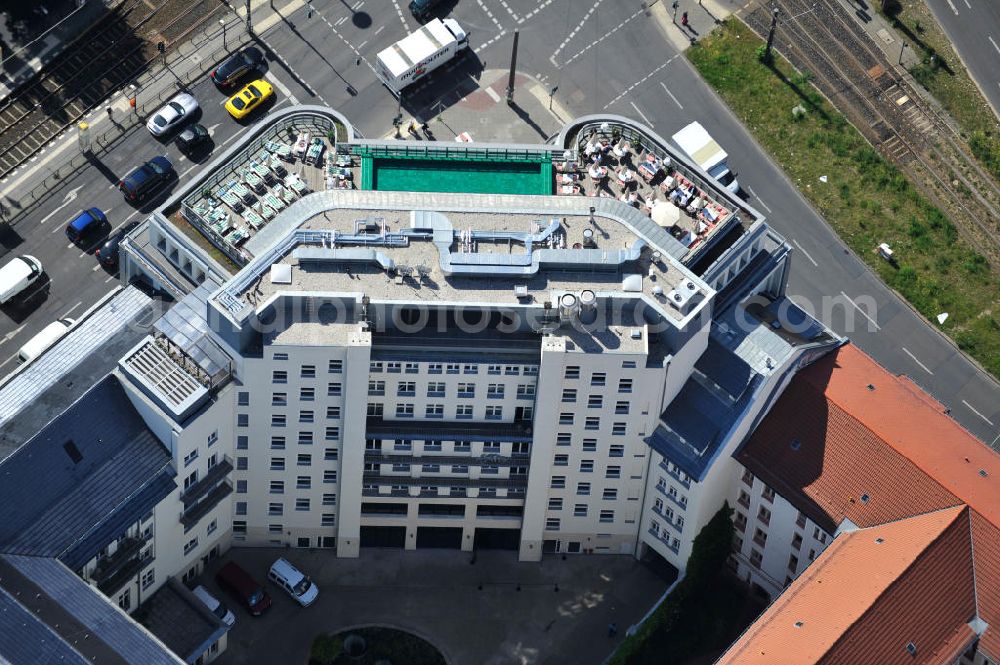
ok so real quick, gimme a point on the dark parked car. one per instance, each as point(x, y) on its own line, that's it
point(235, 66)
point(146, 180)
point(86, 223)
point(107, 253)
point(238, 582)
point(192, 138)
point(423, 9)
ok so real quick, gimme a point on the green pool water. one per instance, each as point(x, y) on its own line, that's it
point(437, 175)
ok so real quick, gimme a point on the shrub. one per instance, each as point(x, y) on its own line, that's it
point(326, 648)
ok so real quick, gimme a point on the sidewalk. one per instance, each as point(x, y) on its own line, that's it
point(483, 115)
point(702, 17)
point(49, 35)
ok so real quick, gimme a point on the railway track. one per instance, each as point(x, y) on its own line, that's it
point(847, 67)
point(100, 62)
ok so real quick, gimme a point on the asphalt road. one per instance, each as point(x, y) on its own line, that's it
point(601, 56)
point(973, 27)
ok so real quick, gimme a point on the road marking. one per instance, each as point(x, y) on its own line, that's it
point(284, 89)
point(399, 13)
point(863, 312)
point(641, 114)
point(638, 83)
point(994, 44)
point(70, 310)
point(362, 44)
point(9, 336)
point(340, 22)
point(759, 200)
point(381, 28)
point(804, 252)
point(952, 5)
point(8, 360)
point(97, 266)
point(638, 12)
point(923, 366)
point(586, 17)
point(973, 409)
point(69, 198)
point(492, 93)
point(109, 279)
point(667, 90)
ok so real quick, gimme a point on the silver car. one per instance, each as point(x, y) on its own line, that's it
point(177, 111)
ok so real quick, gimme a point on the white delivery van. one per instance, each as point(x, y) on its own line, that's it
point(420, 53)
point(18, 275)
point(289, 578)
point(49, 335)
point(698, 144)
point(215, 605)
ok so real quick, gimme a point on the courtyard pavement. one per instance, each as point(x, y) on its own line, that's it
point(518, 617)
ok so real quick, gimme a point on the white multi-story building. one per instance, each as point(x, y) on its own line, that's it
point(544, 374)
point(537, 373)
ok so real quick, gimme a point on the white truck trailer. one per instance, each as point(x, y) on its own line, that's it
point(699, 145)
point(17, 275)
point(420, 53)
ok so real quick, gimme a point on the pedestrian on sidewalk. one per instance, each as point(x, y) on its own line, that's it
point(612, 629)
point(684, 19)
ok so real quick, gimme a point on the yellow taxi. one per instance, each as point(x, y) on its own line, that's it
point(250, 97)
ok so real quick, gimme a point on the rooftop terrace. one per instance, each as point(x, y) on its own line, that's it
point(410, 247)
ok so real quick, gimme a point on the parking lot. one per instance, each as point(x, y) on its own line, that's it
point(556, 611)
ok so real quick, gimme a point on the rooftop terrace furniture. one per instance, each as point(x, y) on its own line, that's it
point(277, 167)
point(301, 145)
point(254, 220)
point(315, 152)
point(280, 150)
point(295, 182)
point(274, 202)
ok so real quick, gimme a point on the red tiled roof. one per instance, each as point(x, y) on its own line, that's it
point(855, 603)
point(862, 431)
point(813, 453)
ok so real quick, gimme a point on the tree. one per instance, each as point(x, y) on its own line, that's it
point(711, 547)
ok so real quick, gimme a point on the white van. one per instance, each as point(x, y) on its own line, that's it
point(19, 273)
point(298, 586)
point(215, 605)
point(50, 334)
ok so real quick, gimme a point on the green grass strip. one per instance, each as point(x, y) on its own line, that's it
point(865, 199)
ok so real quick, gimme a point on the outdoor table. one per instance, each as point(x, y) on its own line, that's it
point(625, 175)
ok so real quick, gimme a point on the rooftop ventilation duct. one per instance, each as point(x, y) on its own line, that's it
point(569, 306)
point(588, 306)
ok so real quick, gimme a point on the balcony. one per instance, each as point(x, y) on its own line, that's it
point(744, 500)
point(518, 481)
point(192, 515)
point(517, 459)
point(205, 485)
point(676, 475)
point(665, 540)
point(113, 571)
point(379, 428)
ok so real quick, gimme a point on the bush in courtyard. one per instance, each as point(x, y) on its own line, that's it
point(326, 648)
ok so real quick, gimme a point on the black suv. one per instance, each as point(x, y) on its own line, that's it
point(236, 65)
point(423, 9)
point(146, 180)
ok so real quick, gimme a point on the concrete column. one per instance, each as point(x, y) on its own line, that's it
point(352, 450)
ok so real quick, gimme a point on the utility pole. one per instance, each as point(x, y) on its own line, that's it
point(513, 67)
point(770, 35)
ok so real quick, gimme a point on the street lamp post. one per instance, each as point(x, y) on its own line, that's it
point(552, 91)
point(901, 49)
point(513, 68)
point(770, 34)
point(222, 22)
